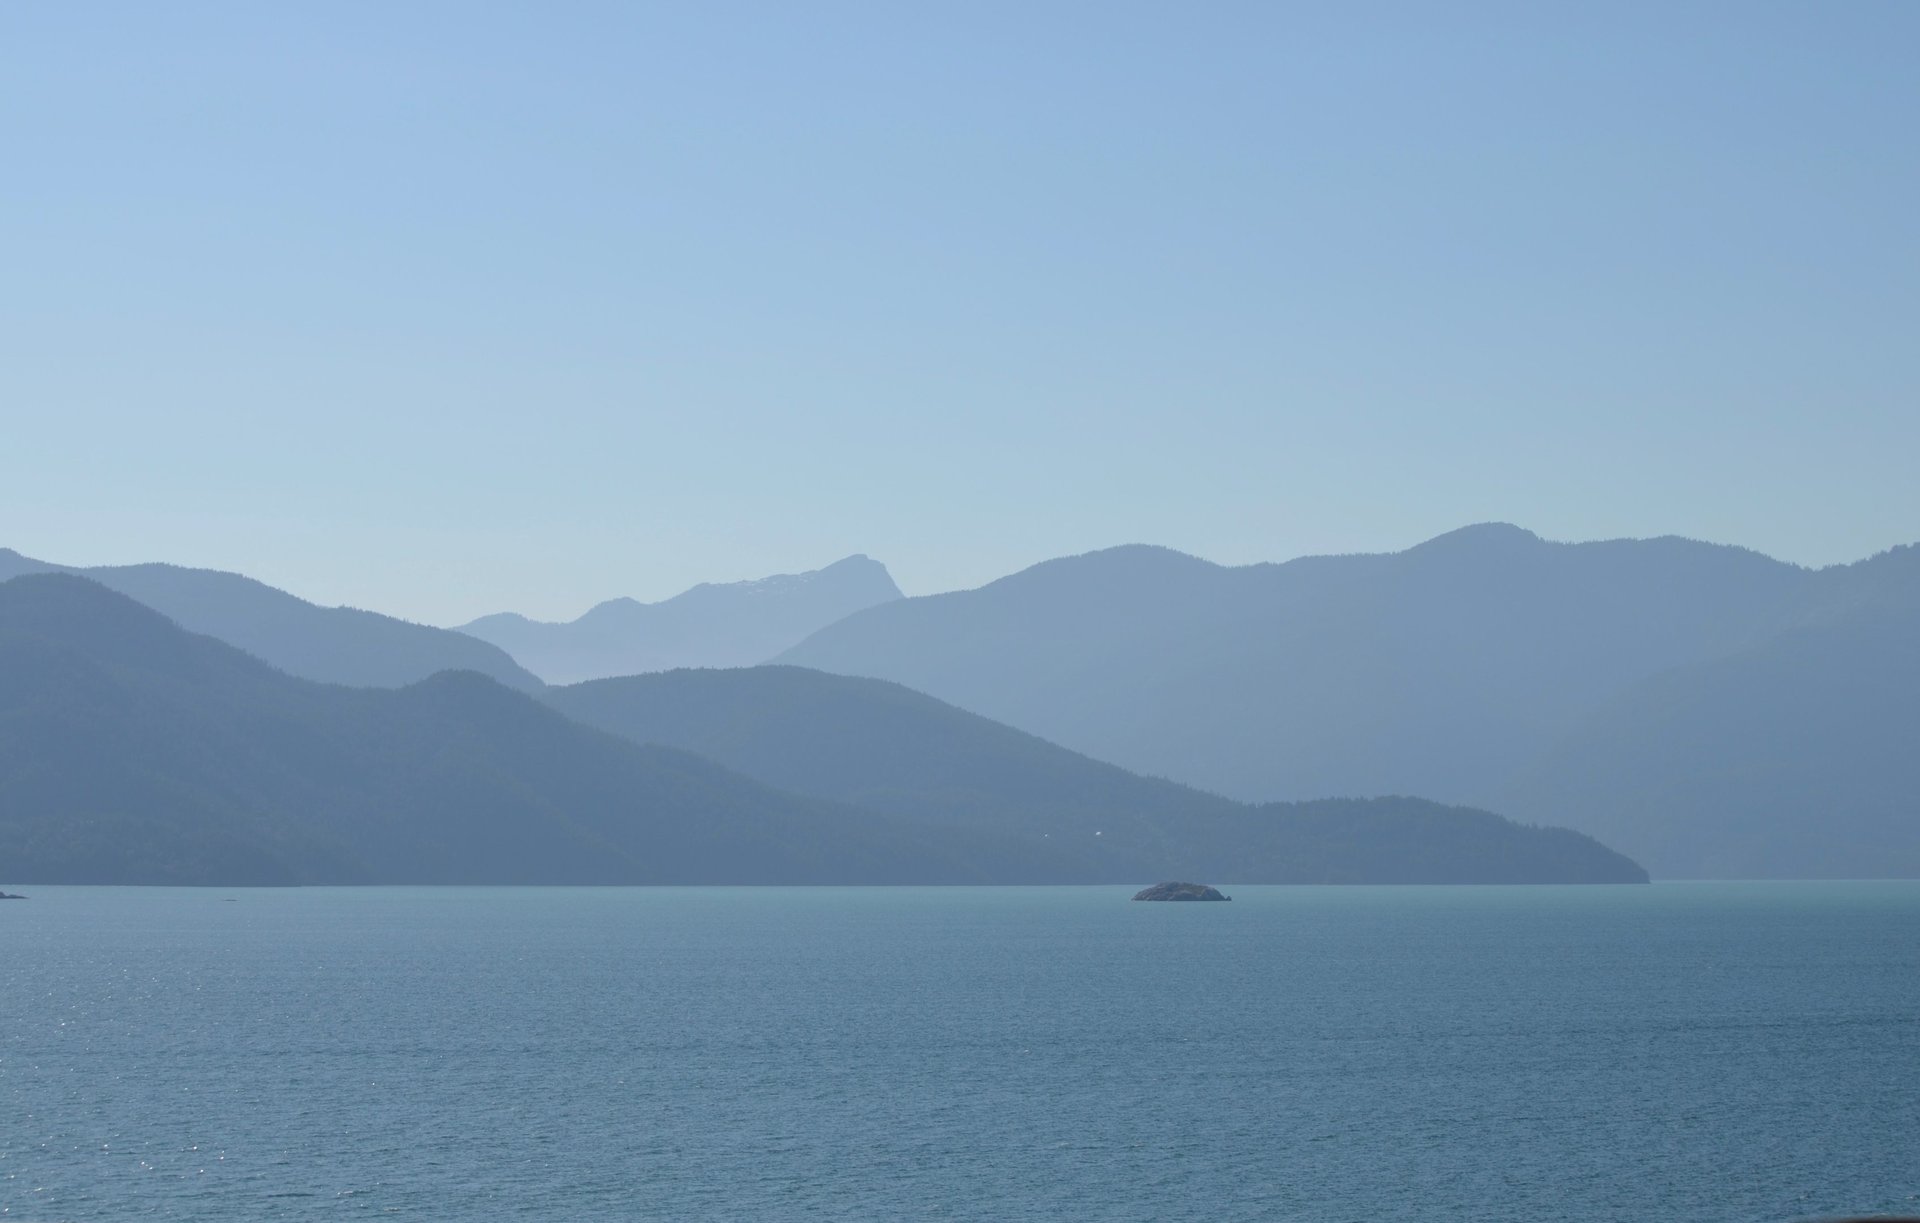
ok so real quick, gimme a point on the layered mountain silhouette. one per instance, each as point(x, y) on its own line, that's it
point(336, 645)
point(134, 751)
point(880, 746)
point(1704, 709)
point(731, 624)
point(1485, 666)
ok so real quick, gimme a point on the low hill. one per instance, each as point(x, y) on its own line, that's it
point(335, 645)
point(879, 745)
point(875, 743)
point(732, 624)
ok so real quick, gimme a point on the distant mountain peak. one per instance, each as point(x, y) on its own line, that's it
point(1148, 552)
point(714, 624)
point(1120, 561)
point(1480, 537)
point(858, 568)
point(858, 560)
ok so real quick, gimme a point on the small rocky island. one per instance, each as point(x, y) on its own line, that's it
point(1180, 891)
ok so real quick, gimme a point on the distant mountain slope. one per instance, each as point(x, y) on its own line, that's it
point(879, 745)
point(1434, 671)
point(1798, 757)
point(131, 751)
point(712, 625)
point(338, 645)
point(876, 743)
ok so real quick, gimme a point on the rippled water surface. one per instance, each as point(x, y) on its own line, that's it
point(1680, 1051)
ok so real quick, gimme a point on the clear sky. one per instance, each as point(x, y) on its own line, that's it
point(444, 309)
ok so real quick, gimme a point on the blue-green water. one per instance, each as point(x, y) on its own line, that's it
point(1697, 1052)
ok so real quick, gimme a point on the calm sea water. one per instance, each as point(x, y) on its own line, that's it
point(1680, 1051)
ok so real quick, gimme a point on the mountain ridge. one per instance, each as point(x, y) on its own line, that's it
point(711, 624)
point(1103, 636)
point(341, 645)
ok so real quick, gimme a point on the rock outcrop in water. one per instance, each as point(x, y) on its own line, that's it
point(1180, 891)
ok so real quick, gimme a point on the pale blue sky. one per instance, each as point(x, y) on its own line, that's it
point(453, 308)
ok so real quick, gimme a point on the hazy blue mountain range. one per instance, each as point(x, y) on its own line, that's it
point(733, 624)
point(1705, 709)
point(134, 751)
point(1422, 672)
point(338, 645)
point(1477, 667)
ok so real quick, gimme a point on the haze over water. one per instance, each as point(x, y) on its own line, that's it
point(1697, 1051)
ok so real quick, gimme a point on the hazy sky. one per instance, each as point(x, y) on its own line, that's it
point(452, 308)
